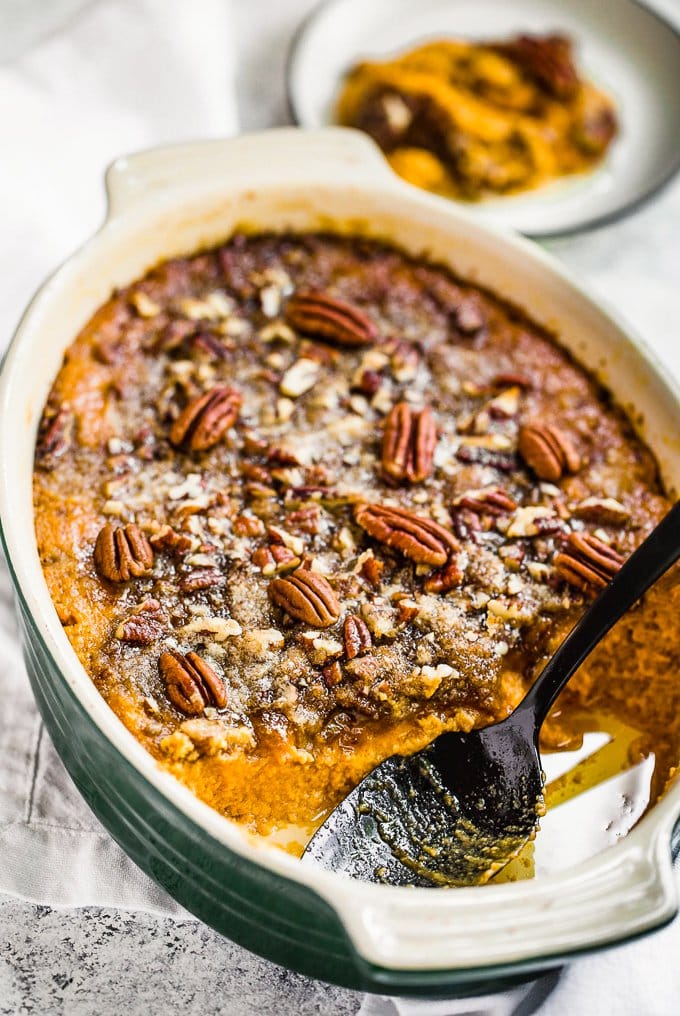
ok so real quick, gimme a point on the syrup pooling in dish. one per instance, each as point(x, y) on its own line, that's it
point(304, 502)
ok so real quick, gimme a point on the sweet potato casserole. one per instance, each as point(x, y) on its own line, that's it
point(476, 119)
point(304, 501)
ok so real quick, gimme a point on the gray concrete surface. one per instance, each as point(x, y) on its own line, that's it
point(106, 963)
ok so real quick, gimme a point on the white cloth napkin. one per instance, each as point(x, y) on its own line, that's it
point(126, 74)
point(117, 76)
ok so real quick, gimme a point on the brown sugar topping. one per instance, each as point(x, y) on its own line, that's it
point(286, 547)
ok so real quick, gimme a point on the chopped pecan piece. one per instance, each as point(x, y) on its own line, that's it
point(492, 501)
point(371, 569)
point(586, 562)
point(191, 683)
point(54, 437)
point(122, 553)
point(274, 559)
point(248, 525)
point(606, 511)
point(326, 317)
point(469, 317)
point(174, 335)
point(357, 637)
point(407, 608)
point(446, 578)
point(145, 626)
point(170, 540)
point(417, 538)
point(511, 379)
point(206, 419)
point(404, 359)
point(201, 578)
point(548, 451)
point(504, 462)
point(409, 441)
point(209, 345)
point(368, 383)
point(280, 455)
point(307, 596)
point(332, 674)
point(305, 520)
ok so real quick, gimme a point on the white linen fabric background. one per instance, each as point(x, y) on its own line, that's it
point(119, 75)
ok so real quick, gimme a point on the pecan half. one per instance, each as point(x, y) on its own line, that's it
point(307, 596)
point(492, 501)
point(326, 317)
point(409, 441)
point(191, 683)
point(357, 637)
point(547, 59)
point(547, 450)
point(206, 419)
point(587, 563)
point(417, 538)
point(122, 553)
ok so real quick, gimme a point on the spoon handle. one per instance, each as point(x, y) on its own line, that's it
point(648, 563)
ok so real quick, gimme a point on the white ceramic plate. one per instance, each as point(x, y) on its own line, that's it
point(622, 45)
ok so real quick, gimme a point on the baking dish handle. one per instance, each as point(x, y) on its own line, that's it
point(256, 158)
point(618, 895)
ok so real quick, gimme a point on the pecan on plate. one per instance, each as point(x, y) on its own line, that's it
point(307, 596)
point(546, 58)
point(491, 501)
point(587, 563)
point(191, 683)
point(206, 419)
point(417, 538)
point(326, 317)
point(409, 441)
point(356, 636)
point(547, 450)
point(596, 124)
point(122, 553)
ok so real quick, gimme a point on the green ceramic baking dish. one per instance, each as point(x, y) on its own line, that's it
point(169, 202)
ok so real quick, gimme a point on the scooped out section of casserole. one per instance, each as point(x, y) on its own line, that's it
point(303, 502)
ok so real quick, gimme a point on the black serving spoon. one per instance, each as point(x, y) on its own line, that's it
point(458, 811)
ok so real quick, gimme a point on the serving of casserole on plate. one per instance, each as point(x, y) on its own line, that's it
point(554, 118)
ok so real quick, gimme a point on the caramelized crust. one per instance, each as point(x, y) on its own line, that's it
point(292, 610)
